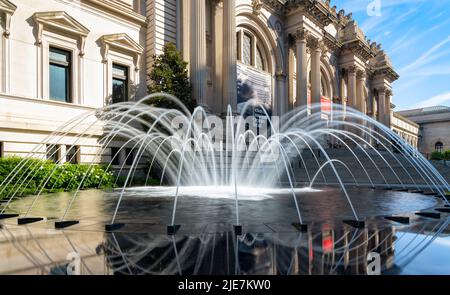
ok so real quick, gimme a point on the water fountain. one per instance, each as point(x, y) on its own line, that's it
point(301, 153)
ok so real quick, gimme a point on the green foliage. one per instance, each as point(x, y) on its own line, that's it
point(437, 156)
point(446, 155)
point(170, 75)
point(29, 176)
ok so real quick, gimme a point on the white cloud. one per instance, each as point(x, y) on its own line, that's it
point(435, 100)
point(431, 55)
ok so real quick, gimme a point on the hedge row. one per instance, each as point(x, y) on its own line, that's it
point(440, 156)
point(34, 175)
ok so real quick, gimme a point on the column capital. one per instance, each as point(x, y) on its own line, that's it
point(301, 35)
point(280, 76)
point(384, 90)
point(315, 43)
point(361, 74)
point(217, 3)
point(352, 69)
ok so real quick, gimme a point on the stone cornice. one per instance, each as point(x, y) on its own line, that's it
point(387, 72)
point(318, 11)
point(117, 9)
point(359, 48)
point(275, 4)
point(409, 121)
point(331, 42)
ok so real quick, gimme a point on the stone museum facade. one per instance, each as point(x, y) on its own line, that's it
point(434, 123)
point(62, 58)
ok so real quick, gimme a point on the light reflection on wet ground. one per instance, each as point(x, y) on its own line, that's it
point(206, 243)
point(339, 250)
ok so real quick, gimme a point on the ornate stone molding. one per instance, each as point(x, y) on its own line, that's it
point(119, 10)
point(319, 12)
point(301, 35)
point(360, 74)
point(331, 42)
point(280, 76)
point(257, 5)
point(7, 8)
point(121, 42)
point(314, 43)
point(352, 69)
point(383, 90)
point(60, 21)
point(387, 72)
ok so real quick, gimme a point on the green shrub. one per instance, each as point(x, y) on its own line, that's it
point(447, 155)
point(29, 176)
point(436, 156)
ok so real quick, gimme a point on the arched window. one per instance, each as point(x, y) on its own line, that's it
point(247, 49)
point(439, 146)
point(250, 50)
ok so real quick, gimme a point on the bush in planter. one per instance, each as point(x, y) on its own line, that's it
point(35, 174)
point(447, 155)
point(436, 156)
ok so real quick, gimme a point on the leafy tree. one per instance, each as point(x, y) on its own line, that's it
point(170, 75)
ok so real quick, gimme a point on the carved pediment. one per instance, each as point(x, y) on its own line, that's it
point(7, 7)
point(60, 21)
point(122, 42)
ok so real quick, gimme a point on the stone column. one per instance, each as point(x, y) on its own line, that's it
point(62, 154)
point(217, 101)
point(290, 75)
point(316, 53)
point(183, 26)
point(388, 112)
point(229, 55)
point(351, 89)
point(198, 51)
point(374, 107)
point(302, 68)
point(382, 105)
point(361, 79)
point(281, 94)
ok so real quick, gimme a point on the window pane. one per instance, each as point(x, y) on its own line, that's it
point(59, 55)
point(247, 50)
point(53, 153)
point(59, 83)
point(120, 84)
point(120, 71)
point(115, 156)
point(130, 157)
point(119, 91)
point(259, 60)
point(72, 154)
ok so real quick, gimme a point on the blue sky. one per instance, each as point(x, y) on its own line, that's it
point(416, 35)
